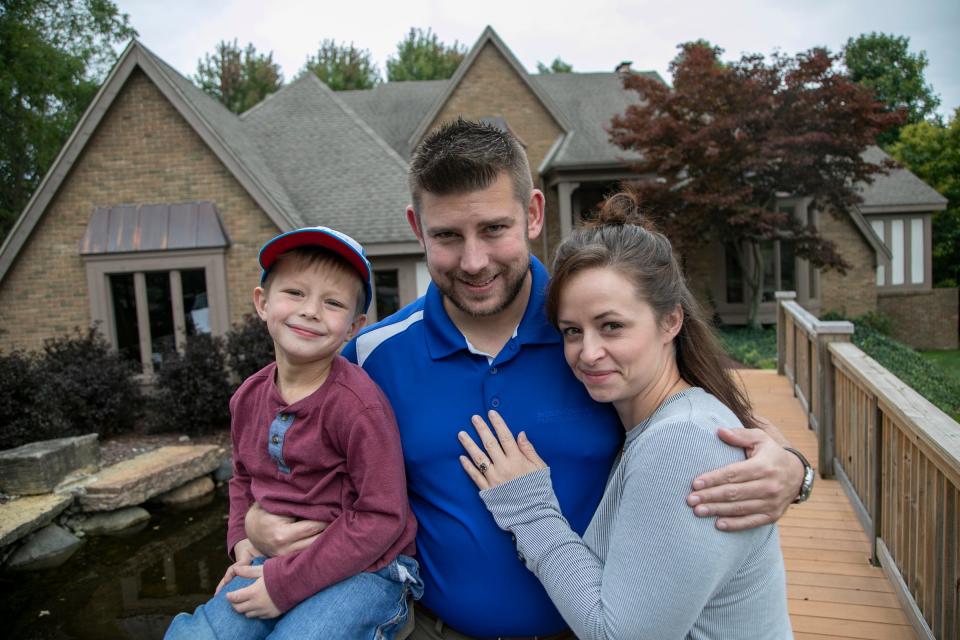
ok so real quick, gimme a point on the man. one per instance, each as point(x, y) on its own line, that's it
point(479, 340)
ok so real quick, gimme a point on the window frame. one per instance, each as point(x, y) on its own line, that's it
point(884, 272)
point(100, 267)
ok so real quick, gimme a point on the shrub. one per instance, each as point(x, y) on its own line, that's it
point(92, 386)
point(23, 417)
point(752, 347)
point(249, 346)
point(192, 390)
point(923, 376)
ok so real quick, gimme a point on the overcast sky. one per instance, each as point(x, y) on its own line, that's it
point(592, 35)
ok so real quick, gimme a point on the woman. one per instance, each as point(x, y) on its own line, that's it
point(646, 566)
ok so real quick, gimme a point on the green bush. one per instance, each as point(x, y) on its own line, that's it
point(92, 386)
point(24, 417)
point(76, 385)
point(192, 391)
point(751, 347)
point(249, 346)
point(923, 376)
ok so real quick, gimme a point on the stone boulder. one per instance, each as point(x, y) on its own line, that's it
point(188, 492)
point(135, 481)
point(47, 548)
point(23, 516)
point(38, 467)
point(110, 523)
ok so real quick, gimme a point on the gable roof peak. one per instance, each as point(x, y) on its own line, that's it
point(490, 37)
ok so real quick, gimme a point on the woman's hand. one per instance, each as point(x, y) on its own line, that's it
point(504, 459)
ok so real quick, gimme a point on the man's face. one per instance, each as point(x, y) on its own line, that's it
point(476, 244)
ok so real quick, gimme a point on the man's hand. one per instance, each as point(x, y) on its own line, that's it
point(280, 535)
point(253, 601)
point(751, 493)
point(244, 552)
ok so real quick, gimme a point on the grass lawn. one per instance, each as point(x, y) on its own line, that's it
point(949, 361)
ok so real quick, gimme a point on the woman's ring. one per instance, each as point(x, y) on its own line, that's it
point(483, 466)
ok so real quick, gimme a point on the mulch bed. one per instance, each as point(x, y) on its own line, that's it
point(129, 445)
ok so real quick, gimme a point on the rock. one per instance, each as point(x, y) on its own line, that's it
point(187, 492)
point(183, 439)
point(38, 467)
point(224, 472)
point(135, 481)
point(109, 523)
point(47, 548)
point(23, 516)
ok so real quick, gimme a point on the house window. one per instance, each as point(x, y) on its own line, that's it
point(164, 319)
point(779, 271)
point(156, 275)
point(386, 285)
point(906, 238)
point(779, 268)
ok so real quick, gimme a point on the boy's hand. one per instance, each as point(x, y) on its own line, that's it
point(244, 552)
point(280, 535)
point(751, 493)
point(253, 601)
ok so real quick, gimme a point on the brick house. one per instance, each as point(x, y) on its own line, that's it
point(150, 219)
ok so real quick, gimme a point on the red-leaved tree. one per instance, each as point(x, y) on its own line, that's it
point(729, 140)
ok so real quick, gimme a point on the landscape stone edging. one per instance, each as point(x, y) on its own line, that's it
point(121, 485)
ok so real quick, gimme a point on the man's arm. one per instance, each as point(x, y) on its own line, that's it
point(756, 491)
point(368, 526)
point(279, 535)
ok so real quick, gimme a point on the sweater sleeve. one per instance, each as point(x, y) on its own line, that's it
point(241, 496)
point(662, 564)
point(365, 530)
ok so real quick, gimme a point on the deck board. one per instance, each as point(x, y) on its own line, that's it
point(833, 592)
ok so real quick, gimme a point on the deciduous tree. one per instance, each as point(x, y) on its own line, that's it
point(53, 56)
point(932, 151)
point(422, 56)
point(884, 63)
point(343, 66)
point(729, 140)
point(239, 78)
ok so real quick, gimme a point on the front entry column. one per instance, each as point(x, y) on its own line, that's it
point(565, 195)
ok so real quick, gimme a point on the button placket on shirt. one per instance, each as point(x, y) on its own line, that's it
point(278, 431)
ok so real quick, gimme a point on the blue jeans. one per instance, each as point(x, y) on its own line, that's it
point(368, 605)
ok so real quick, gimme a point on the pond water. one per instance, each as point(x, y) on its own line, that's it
point(123, 587)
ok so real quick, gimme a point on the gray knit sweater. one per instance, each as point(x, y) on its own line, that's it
point(647, 567)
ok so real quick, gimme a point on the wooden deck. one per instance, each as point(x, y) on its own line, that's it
point(832, 590)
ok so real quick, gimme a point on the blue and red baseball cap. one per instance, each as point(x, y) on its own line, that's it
point(326, 238)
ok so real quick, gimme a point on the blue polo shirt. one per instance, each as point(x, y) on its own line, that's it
point(474, 579)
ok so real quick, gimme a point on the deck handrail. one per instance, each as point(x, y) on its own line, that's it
point(896, 455)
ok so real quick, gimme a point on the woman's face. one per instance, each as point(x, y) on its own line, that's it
point(611, 337)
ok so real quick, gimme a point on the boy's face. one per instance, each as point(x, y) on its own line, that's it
point(310, 310)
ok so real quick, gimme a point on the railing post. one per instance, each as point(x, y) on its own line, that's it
point(827, 332)
point(780, 297)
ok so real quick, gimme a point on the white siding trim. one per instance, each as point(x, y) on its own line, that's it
point(877, 226)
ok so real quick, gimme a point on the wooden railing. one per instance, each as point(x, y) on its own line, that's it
point(896, 455)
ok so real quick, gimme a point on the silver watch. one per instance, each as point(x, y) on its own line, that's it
point(806, 487)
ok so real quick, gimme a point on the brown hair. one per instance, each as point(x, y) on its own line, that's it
point(465, 156)
point(307, 257)
point(622, 239)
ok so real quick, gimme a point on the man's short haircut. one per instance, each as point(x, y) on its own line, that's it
point(465, 156)
point(309, 257)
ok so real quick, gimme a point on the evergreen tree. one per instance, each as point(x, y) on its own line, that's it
point(238, 78)
point(343, 66)
point(421, 56)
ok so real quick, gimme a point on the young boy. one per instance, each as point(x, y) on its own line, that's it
point(315, 439)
